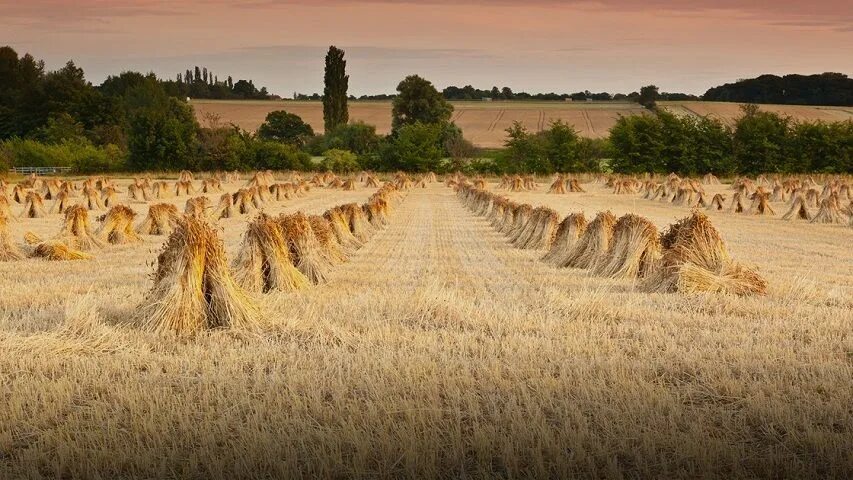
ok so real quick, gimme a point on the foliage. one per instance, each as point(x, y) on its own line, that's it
point(284, 127)
point(822, 89)
point(340, 161)
point(357, 137)
point(470, 93)
point(162, 135)
point(80, 154)
point(761, 142)
point(555, 149)
point(821, 147)
point(648, 96)
point(415, 147)
point(418, 101)
point(270, 155)
point(336, 83)
point(460, 150)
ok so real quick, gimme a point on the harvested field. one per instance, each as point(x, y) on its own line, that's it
point(437, 350)
point(728, 112)
point(484, 123)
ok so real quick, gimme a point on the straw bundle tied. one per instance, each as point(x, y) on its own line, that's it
point(264, 262)
point(110, 196)
point(798, 210)
point(559, 186)
point(717, 203)
point(325, 234)
point(695, 260)
point(197, 207)
point(225, 207)
point(341, 227)
point(34, 207)
point(594, 242)
point(568, 232)
point(829, 211)
point(358, 224)
point(58, 251)
point(76, 231)
point(161, 220)
point(634, 250)
point(761, 205)
point(117, 227)
point(193, 288)
point(9, 251)
point(307, 252)
point(539, 231)
point(211, 185)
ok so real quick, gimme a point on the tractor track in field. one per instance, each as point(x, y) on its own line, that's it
point(497, 120)
point(588, 122)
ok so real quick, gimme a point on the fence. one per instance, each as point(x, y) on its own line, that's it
point(40, 170)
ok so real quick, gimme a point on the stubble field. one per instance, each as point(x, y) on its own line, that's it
point(484, 123)
point(438, 350)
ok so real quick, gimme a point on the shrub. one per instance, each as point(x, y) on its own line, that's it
point(80, 155)
point(340, 161)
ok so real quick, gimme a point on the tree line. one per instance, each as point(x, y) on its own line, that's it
point(758, 142)
point(201, 83)
point(135, 121)
point(823, 89)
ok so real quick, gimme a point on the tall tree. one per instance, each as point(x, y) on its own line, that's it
point(417, 100)
point(648, 96)
point(281, 126)
point(335, 111)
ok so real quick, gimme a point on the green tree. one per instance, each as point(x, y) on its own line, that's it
point(561, 143)
point(357, 137)
point(711, 147)
point(637, 145)
point(340, 161)
point(523, 153)
point(284, 127)
point(821, 147)
point(648, 96)
point(162, 136)
point(336, 83)
point(417, 100)
point(760, 141)
point(263, 155)
point(416, 147)
point(60, 127)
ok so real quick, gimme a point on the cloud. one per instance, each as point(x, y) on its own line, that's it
point(836, 13)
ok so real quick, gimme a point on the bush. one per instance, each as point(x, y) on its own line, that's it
point(284, 127)
point(80, 155)
point(359, 138)
point(340, 161)
point(270, 155)
point(557, 149)
point(761, 142)
point(415, 147)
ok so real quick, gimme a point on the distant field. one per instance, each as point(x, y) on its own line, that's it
point(484, 123)
point(728, 112)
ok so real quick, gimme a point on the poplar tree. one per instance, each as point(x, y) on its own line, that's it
point(335, 110)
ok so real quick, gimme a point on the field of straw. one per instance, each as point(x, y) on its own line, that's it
point(438, 347)
point(484, 123)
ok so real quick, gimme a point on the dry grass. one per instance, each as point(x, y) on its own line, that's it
point(436, 351)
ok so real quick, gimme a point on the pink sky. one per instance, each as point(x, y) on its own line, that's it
point(540, 45)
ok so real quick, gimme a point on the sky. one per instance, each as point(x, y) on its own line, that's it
point(532, 45)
